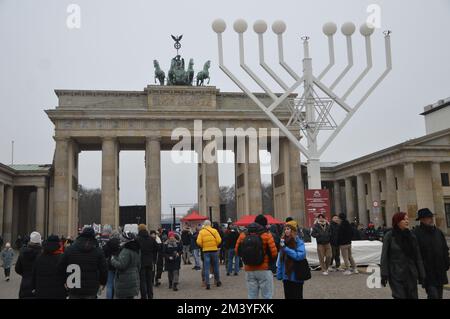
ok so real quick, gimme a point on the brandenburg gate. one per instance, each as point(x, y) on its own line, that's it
point(112, 121)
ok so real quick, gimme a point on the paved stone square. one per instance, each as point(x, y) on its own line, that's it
point(336, 285)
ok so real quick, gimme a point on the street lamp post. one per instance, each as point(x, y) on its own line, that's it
point(311, 113)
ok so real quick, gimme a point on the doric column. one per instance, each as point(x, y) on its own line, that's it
point(254, 178)
point(361, 193)
point(153, 181)
point(62, 187)
point(410, 190)
point(40, 210)
point(8, 214)
point(349, 200)
point(296, 185)
point(2, 205)
point(337, 197)
point(391, 196)
point(438, 196)
point(109, 182)
point(375, 215)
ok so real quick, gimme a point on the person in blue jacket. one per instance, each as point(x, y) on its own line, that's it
point(292, 251)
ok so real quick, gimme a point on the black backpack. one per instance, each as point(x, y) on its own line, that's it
point(251, 249)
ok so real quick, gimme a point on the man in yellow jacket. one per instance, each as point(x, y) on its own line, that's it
point(209, 240)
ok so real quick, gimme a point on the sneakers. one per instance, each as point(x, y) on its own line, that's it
point(7, 279)
point(236, 274)
point(348, 272)
point(175, 288)
point(331, 269)
point(355, 271)
point(325, 273)
point(219, 283)
point(228, 273)
point(208, 287)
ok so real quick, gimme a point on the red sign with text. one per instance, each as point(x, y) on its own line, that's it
point(317, 201)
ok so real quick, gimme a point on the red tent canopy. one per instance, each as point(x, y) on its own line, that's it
point(248, 219)
point(194, 216)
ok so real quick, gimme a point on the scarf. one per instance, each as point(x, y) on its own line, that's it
point(288, 262)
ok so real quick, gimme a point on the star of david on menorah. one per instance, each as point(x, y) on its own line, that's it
point(311, 113)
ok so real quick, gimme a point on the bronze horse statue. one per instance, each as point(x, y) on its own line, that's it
point(204, 74)
point(159, 74)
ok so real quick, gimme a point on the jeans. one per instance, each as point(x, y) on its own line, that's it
point(259, 281)
point(232, 256)
point(186, 254)
point(110, 285)
point(7, 272)
point(146, 282)
point(173, 276)
point(196, 253)
point(211, 258)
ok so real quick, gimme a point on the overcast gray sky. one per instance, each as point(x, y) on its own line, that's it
point(118, 40)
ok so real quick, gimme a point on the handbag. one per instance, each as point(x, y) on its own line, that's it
point(302, 270)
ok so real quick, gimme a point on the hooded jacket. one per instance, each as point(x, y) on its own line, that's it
point(7, 257)
point(85, 253)
point(48, 281)
point(24, 267)
point(268, 245)
point(127, 264)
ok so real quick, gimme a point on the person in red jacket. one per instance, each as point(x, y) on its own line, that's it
point(256, 247)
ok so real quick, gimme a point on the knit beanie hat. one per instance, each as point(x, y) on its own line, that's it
point(261, 219)
point(35, 238)
point(292, 225)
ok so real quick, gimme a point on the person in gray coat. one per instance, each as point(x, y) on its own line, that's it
point(7, 259)
point(127, 265)
point(401, 261)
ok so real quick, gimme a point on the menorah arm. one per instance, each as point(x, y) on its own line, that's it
point(332, 59)
point(330, 93)
point(349, 63)
point(387, 41)
point(283, 63)
point(265, 66)
point(271, 116)
point(252, 74)
point(365, 71)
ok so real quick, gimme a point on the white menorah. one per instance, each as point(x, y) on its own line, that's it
point(310, 113)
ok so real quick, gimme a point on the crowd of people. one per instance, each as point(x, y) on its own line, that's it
point(128, 264)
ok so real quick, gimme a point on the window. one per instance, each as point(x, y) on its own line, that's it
point(379, 186)
point(367, 189)
point(447, 214)
point(200, 181)
point(279, 180)
point(396, 184)
point(445, 179)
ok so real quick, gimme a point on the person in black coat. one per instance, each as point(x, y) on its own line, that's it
point(434, 251)
point(90, 258)
point(172, 250)
point(334, 237)
point(48, 281)
point(401, 261)
point(25, 263)
point(149, 251)
point(160, 257)
point(345, 235)
point(186, 237)
point(111, 248)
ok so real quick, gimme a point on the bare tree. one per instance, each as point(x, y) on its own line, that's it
point(89, 205)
